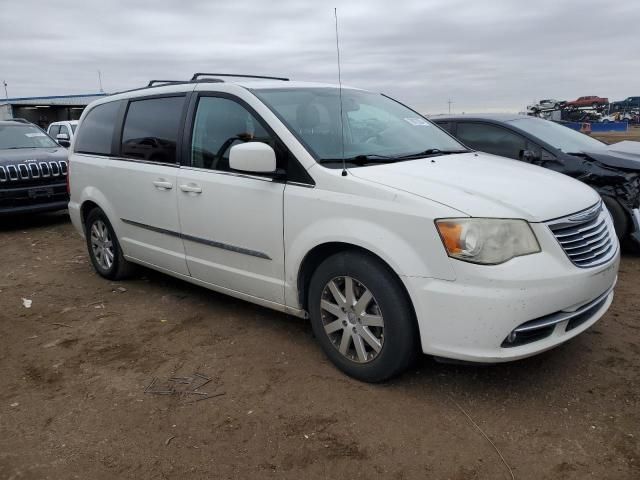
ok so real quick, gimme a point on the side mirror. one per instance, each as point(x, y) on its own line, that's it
point(63, 140)
point(62, 136)
point(527, 156)
point(252, 157)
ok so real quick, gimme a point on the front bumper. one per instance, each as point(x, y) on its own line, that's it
point(33, 199)
point(470, 318)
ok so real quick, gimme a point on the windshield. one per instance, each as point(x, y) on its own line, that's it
point(558, 136)
point(24, 136)
point(374, 125)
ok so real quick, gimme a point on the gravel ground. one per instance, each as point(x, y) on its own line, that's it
point(75, 366)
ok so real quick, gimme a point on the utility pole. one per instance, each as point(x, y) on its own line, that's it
point(5, 89)
point(100, 81)
point(450, 102)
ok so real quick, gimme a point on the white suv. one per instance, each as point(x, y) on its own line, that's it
point(63, 132)
point(383, 230)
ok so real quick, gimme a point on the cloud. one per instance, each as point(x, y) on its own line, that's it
point(497, 55)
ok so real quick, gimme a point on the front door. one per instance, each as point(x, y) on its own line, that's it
point(231, 222)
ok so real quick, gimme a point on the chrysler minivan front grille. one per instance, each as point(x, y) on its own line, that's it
point(587, 237)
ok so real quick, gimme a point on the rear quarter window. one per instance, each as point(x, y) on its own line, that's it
point(96, 134)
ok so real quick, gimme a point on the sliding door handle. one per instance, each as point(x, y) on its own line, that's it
point(163, 185)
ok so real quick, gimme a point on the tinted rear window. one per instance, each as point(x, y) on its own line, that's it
point(96, 133)
point(151, 129)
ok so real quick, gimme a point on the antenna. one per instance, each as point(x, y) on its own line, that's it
point(344, 163)
point(5, 89)
point(100, 81)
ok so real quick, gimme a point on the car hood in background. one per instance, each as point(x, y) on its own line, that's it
point(619, 155)
point(19, 155)
point(483, 185)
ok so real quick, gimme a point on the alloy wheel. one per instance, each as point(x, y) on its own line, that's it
point(352, 319)
point(102, 244)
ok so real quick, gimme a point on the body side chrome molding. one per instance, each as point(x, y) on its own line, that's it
point(203, 241)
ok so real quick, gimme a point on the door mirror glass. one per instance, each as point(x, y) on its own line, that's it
point(254, 157)
point(528, 155)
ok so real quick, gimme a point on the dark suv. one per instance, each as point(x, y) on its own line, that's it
point(33, 170)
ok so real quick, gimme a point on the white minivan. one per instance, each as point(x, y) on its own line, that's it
point(345, 207)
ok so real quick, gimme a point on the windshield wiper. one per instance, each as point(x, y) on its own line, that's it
point(361, 159)
point(375, 158)
point(430, 152)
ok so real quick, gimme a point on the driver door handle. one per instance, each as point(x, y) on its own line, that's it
point(191, 188)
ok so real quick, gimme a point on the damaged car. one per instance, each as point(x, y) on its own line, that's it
point(612, 170)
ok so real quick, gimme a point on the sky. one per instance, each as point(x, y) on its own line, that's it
point(488, 56)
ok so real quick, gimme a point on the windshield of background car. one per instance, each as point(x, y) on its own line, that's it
point(24, 136)
point(374, 125)
point(558, 136)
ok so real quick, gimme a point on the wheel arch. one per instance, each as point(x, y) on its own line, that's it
point(86, 207)
point(317, 254)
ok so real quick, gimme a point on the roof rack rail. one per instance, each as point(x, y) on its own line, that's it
point(159, 83)
point(196, 75)
point(167, 82)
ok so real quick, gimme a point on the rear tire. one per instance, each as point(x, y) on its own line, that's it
point(619, 216)
point(104, 249)
point(362, 317)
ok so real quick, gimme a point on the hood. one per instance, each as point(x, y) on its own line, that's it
point(19, 155)
point(619, 155)
point(484, 185)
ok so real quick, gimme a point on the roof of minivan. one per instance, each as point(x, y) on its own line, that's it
point(187, 86)
point(497, 117)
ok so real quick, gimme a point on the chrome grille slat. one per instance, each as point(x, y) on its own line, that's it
point(603, 235)
point(595, 254)
point(13, 172)
point(574, 231)
point(3, 174)
point(601, 228)
point(586, 237)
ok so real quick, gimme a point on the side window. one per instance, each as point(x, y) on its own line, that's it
point(221, 123)
point(64, 129)
point(54, 130)
point(151, 129)
point(446, 126)
point(491, 139)
point(96, 133)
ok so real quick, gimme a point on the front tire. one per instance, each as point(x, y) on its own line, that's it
point(104, 250)
point(362, 317)
point(620, 220)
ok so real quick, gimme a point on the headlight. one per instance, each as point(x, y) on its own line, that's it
point(487, 241)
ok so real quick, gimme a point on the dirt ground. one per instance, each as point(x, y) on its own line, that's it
point(75, 366)
point(613, 137)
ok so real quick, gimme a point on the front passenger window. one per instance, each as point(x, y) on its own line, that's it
point(221, 123)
